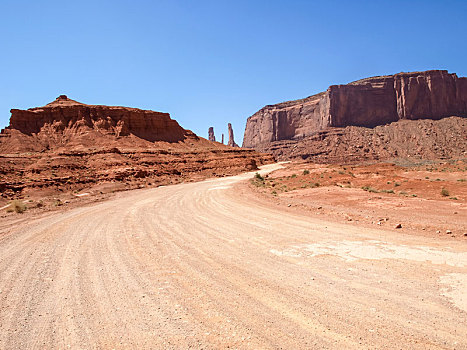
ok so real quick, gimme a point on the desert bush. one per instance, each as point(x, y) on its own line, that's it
point(17, 206)
point(370, 189)
point(396, 184)
point(294, 176)
point(259, 177)
point(444, 192)
point(306, 172)
point(258, 180)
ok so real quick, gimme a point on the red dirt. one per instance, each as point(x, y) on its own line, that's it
point(423, 198)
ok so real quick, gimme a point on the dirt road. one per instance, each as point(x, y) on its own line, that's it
point(197, 265)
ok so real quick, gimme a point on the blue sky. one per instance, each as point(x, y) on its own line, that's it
point(208, 63)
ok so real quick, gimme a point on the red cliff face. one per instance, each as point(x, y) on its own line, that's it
point(65, 119)
point(367, 102)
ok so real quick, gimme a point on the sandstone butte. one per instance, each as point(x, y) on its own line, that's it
point(366, 103)
point(68, 145)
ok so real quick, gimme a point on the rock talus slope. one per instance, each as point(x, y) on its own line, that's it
point(364, 103)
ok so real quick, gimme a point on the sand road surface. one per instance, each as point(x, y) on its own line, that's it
point(199, 266)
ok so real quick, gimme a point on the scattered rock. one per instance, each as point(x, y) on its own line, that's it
point(398, 226)
point(448, 232)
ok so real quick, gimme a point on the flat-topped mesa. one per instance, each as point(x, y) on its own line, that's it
point(71, 117)
point(367, 102)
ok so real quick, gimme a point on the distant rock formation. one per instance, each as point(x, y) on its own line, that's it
point(211, 136)
point(222, 139)
point(368, 102)
point(231, 142)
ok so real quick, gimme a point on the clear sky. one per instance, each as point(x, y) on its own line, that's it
point(208, 63)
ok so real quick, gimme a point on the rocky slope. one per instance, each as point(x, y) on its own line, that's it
point(410, 139)
point(69, 146)
point(365, 103)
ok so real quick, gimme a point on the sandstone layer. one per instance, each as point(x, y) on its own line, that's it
point(68, 146)
point(368, 102)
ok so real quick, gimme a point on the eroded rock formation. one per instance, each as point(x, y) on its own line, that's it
point(368, 102)
point(67, 146)
point(231, 142)
point(67, 122)
point(222, 139)
point(211, 136)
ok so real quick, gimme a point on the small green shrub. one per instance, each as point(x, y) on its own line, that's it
point(370, 189)
point(445, 192)
point(306, 172)
point(397, 184)
point(294, 176)
point(259, 177)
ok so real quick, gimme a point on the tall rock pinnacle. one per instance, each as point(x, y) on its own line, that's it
point(211, 135)
point(231, 142)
